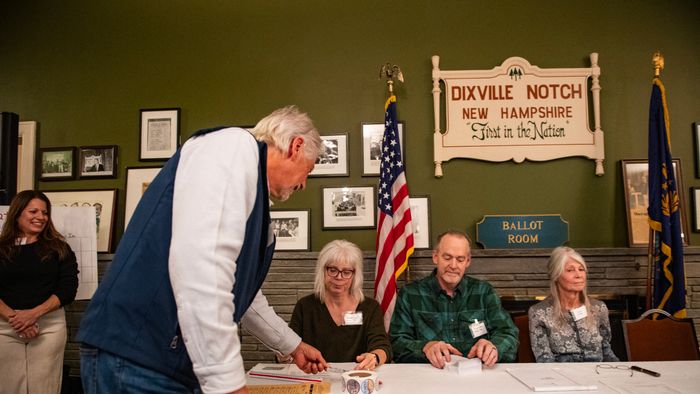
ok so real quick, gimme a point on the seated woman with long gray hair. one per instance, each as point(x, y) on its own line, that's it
point(568, 326)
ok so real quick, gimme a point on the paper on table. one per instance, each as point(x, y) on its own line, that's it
point(288, 372)
point(552, 379)
point(638, 387)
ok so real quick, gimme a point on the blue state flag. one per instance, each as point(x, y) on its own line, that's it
point(664, 210)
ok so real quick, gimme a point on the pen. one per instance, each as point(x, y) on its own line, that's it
point(646, 371)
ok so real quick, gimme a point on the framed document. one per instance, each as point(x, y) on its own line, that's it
point(160, 133)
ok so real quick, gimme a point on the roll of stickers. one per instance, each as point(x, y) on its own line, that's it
point(360, 382)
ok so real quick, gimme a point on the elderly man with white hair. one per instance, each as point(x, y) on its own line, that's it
point(191, 263)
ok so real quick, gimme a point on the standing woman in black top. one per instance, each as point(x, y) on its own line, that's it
point(38, 276)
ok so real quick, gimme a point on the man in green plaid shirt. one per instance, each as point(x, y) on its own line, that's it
point(449, 313)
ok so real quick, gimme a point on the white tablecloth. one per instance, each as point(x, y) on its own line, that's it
point(676, 377)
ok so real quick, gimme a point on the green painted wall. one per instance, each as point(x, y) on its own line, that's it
point(84, 69)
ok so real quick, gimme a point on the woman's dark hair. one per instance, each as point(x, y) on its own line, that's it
point(50, 241)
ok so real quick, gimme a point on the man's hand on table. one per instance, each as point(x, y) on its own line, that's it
point(309, 359)
point(438, 353)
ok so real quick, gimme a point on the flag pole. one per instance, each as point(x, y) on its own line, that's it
point(657, 61)
point(389, 72)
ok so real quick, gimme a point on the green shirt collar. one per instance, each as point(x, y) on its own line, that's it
point(434, 285)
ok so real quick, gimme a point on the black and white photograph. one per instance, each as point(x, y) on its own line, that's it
point(334, 159)
point(160, 133)
point(351, 206)
point(372, 135)
point(98, 161)
point(57, 163)
point(291, 229)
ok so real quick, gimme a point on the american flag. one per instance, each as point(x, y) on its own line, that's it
point(394, 229)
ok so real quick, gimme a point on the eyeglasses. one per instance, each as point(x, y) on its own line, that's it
point(609, 367)
point(334, 272)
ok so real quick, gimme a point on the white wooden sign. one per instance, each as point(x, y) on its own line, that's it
point(517, 111)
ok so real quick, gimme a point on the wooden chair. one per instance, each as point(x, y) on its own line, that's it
point(525, 354)
point(666, 339)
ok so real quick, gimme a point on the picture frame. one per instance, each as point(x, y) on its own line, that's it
point(695, 196)
point(160, 133)
point(696, 142)
point(26, 155)
point(635, 174)
point(334, 161)
point(98, 161)
point(420, 215)
point(291, 229)
point(372, 134)
point(137, 181)
point(104, 201)
point(349, 207)
point(57, 164)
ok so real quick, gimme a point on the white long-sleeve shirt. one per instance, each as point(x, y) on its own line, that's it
point(215, 187)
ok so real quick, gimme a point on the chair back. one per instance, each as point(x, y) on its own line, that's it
point(525, 354)
point(666, 339)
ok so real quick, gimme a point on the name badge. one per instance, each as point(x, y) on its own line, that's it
point(579, 313)
point(352, 318)
point(478, 328)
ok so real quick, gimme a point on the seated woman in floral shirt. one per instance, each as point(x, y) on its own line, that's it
point(568, 326)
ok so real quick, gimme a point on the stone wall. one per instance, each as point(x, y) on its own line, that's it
point(516, 274)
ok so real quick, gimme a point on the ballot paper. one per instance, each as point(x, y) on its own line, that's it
point(286, 372)
point(548, 379)
point(464, 366)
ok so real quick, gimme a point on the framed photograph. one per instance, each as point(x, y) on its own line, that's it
point(57, 164)
point(695, 195)
point(291, 228)
point(696, 140)
point(137, 181)
point(98, 161)
point(160, 133)
point(420, 215)
point(635, 175)
point(334, 160)
point(104, 202)
point(349, 207)
point(372, 134)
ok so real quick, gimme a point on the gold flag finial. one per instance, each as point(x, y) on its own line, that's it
point(390, 72)
point(658, 61)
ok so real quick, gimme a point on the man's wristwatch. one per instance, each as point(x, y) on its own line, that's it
point(376, 357)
